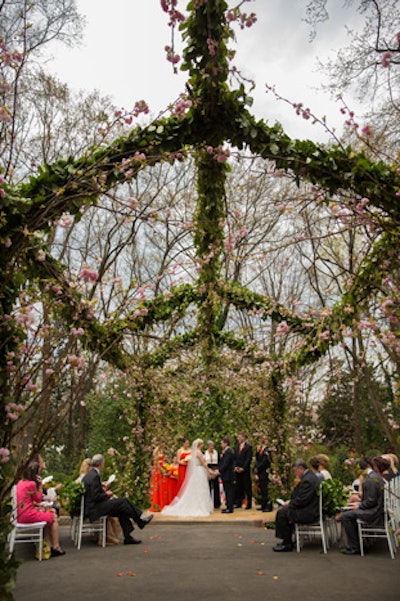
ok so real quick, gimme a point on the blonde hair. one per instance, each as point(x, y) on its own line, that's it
point(393, 460)
point(85, 466)
point(323, 459)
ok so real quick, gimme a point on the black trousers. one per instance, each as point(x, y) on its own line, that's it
point(263, 485)
point(283, 527)
point(229, 489)
point(214, 490)
point(243, 488)
point(122, 509)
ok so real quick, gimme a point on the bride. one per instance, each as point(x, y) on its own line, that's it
point(194, 499)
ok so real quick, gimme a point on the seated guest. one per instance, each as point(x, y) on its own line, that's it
point(113, 529)
point(303, 506)
point(98, 502)
point(30, 507)
point(324, 465)
point(394, 461)
point(381, 467)
point(84, 469)
point(315, 465)
point(369, 509)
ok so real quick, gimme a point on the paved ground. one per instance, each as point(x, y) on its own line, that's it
point(222, 557)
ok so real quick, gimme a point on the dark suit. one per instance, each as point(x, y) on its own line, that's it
point(214, 482)
point(226, 465)
point(303, 508)
point(370, 509)
point(97, 503)
point(243, 489)
point(261, 466)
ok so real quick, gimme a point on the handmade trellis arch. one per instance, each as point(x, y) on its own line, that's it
point(217, 115)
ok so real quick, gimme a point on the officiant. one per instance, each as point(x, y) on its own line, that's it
point(212, 459)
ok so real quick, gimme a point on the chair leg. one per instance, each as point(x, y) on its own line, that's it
point(297, 539)
point(41, 546)
point(360, 539)
point(390, 544)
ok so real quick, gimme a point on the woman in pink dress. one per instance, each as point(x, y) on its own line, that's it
point(30, 507)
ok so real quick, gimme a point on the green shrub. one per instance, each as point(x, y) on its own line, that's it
point(70, 496)
point(334, 496)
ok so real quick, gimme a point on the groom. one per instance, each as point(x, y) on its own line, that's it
point(225, 470)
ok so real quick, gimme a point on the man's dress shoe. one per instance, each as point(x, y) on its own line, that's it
point(144, 521)
point(350, 552)
point(281, 548)
point(131, 541)
point(226, 510)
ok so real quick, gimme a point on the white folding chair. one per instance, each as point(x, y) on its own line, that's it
point(366, 530)
point(84, 526)
point(24, 533)
point(310, 531)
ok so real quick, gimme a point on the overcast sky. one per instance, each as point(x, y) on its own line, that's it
point(122, 55)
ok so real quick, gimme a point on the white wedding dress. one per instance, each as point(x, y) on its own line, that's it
point(194, 499)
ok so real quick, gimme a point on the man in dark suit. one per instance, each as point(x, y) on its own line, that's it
point(225, 470)
point(242, 457)
point(99, 503)
point(303, 506)
point(370, 509)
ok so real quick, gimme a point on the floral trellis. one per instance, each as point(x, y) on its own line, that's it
point(216, 116)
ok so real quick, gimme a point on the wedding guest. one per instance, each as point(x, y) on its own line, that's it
point(99, 502)
point(382, 466)
point(212, 460)
point(392, 471)
point(369, 509)
point(183, 457)
point(324, 465)
point(261, 467)
point(113, 529)
point(83, 470)
point(227, 474)
point(30, 507)
point(302, 507)
point(243, 455)
point(315, 468)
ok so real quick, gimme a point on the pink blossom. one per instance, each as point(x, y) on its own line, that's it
point(181, 107)
point(141, 106)
point(366, 130)
point(4, 455)
point(31, 386)
point(282, 328)
point(88, 275)
point(172, 57)
point(386, 59)
point(76, 361)
point(77, 331)
point(211, 46)
point(65, 220)
point(41, 256)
